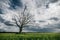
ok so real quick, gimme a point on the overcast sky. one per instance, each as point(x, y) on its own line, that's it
point(46, 15)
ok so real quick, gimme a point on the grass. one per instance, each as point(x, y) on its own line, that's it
point(30, 36)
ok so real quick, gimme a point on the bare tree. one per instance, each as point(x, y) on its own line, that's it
point(23, 19)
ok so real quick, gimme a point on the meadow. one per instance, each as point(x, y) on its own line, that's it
point(30, 36)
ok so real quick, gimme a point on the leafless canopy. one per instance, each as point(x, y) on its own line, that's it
point(23, 18)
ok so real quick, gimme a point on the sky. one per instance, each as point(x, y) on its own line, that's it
point(46, 15)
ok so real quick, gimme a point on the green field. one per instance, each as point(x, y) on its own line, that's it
point(30, 36)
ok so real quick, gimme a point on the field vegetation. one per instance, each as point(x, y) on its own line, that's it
point(30, 36)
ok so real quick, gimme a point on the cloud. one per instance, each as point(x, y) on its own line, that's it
point(52, 1)
point(8, 23)
point(2, 30)
point(1, 19)
point(15, 4)
point(42, 21)
point(1, 11)
point(54, 18)
point(57, 25)
point(38, 29)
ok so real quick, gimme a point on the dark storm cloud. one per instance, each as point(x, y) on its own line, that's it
point(57, 26)
point(1, 19)
point(53, 26)
point(42, 21)
point(35, 29)
point(15, 3)
point(2, 30)
point(47, 5)
point(8, 23)
point(54, 18)
point(1, 11)
point(52, 1)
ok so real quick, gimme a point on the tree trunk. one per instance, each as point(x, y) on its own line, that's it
point(20, 29)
